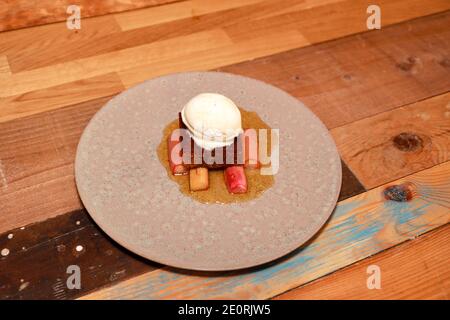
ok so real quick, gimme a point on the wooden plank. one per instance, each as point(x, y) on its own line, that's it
point(396, 143)
point(346, 20)
point(203, 10)
point(361, 226)
point(85, 44)
point(24, 13)
point(36, 164)
point(37, 46)
point(39, 255)
point(262, 45)
point(417, 269)
point(59, 96)
point(342, 18)
point(180, 10)
point(378, 77)
point(172, 49)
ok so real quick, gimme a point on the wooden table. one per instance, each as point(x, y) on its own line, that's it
point(383, 94)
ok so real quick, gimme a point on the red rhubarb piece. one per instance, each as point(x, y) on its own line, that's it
point(175, 159)
point(235, 179)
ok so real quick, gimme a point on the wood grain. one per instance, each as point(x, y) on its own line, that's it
point(86, 44)
point(342, 17)
point(361, 226)
point(396, 143)
point(246, 20)
point(59, 96)
point(215, 57)
point(4, 66)
point(417, 269)
point(36, 164)
point(180, 10)
point(376, 78)
point(54, 43)
point(39, 255)
point(24, 13)
point(171, 49)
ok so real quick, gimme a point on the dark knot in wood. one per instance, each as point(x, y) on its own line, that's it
point(408, 64)
point(399, 193)
point(407, 142)
point(445, 62)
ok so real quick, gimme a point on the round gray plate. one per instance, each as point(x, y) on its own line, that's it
point(127, 192)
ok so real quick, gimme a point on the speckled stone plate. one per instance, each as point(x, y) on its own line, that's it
point(127, 192)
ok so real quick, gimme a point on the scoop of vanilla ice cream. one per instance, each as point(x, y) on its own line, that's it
point(212, 119)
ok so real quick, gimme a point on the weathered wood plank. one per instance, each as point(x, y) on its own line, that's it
point(360, 227)
point(53, 43)
point(342, 18)
point(24, 13)
point(398, 65)
point(36, 164)
point(39, 255)
point(417, 269)
point(396, 143)
point(59, 96)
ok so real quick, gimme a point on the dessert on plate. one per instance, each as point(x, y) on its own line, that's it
point(213, 149)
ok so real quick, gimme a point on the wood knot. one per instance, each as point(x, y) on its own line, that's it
point(408, 142)
point(347, 77)
point(445, 62)
point(400, 193)
point(408, 64)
